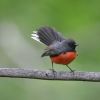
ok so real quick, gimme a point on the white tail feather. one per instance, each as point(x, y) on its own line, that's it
point(35, 36)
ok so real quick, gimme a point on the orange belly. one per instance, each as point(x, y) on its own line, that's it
point(64, 58)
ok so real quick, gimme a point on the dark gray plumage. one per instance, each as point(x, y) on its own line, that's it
point(56, 44)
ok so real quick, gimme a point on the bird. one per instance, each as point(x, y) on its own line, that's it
point(60, 50)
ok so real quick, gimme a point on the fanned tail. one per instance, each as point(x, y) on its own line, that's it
point(46, 35)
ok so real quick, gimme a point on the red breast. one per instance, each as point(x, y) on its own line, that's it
point(64, 58)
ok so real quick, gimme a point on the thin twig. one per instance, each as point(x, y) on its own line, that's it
point(49, 74)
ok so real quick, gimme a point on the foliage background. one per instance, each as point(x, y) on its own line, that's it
point(78, 19)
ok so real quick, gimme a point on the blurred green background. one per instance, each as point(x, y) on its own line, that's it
point(78, 19)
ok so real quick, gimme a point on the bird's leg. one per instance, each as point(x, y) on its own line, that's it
point(53, 68)
point(70, 68)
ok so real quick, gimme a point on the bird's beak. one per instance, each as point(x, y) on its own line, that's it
point(76, 44)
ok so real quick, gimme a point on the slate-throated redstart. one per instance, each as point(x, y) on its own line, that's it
point(59, 49)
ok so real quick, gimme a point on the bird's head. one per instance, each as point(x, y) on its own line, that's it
point(70, 43)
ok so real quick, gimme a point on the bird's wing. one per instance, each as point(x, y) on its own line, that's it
point(54, 49)
point(50, 52)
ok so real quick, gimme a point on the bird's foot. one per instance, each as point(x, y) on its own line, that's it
point(72, 71)
point(54, 72)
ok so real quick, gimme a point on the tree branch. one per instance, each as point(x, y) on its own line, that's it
point(49, 75)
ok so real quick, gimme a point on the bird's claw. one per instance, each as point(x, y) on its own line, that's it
point(54, 72)
point(72, 71)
